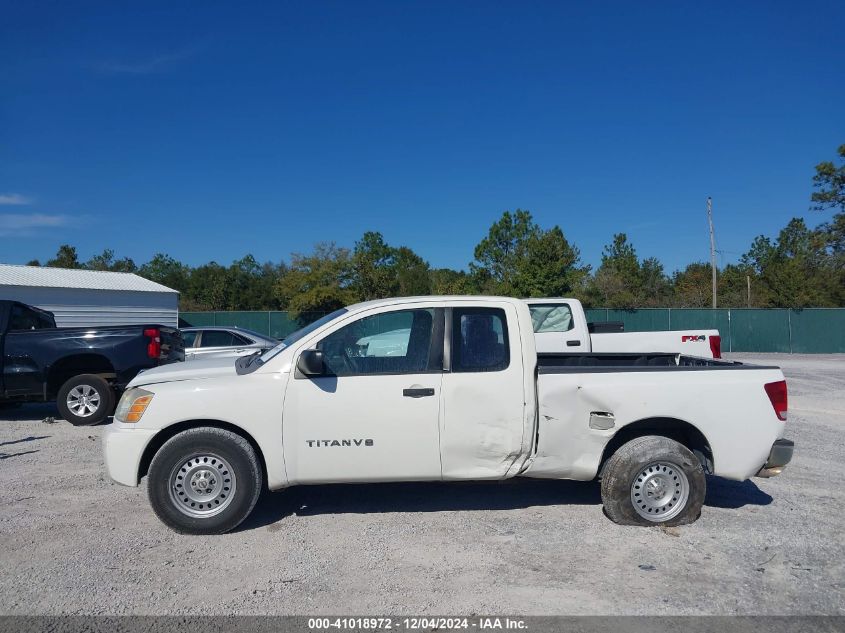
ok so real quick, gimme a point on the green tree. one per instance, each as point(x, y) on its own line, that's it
point(165, 270)
point(103, 261)
point(251, 285)
point(319, 281)
point(209, 288)
point(518, 258)
point(373, 267)
point(549, 266)
point(263, 294)
point(66, 257)
point(623, 281)
point(620, 256)
point(833, 235)
point(830, 182)
point(655, 288)
point(795, 270)
point(412, 273)
point(498, 255)
point(732, 288)
point(380, 270)
point(106, 261)
point(445, 281)
point(692, 287)
point(617, 280)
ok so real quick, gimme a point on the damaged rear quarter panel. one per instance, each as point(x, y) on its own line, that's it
point(730, 408)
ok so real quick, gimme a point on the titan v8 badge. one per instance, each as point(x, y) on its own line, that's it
point(320, 443)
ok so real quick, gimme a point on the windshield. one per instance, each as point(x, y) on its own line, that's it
point(293, 337)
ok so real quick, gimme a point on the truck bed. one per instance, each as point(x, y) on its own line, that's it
point(555, 363)
point(724, 401)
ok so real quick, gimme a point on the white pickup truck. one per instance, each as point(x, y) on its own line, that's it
point(560, 325)
point(464, 396)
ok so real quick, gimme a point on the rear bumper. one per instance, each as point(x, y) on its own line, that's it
point(779, 457)
point(123, 449)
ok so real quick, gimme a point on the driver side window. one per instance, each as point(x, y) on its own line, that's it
point(401, 342)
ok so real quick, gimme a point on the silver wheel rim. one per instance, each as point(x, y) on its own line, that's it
point(660, 491)
point(83, 401)
point(202, 485)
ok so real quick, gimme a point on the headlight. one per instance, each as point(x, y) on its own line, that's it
point(132, 405)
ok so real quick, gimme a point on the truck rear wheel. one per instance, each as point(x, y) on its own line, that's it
point(204, 481)
point(653, 480)
point(85, 400)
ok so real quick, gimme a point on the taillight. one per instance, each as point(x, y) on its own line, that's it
point(154, 346)
point(716, 346)
point(777, 395)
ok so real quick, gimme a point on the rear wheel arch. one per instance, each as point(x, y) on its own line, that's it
point(676, 429)
point(160, 438)
point(69, 366)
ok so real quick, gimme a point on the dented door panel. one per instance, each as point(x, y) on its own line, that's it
point(487, 421)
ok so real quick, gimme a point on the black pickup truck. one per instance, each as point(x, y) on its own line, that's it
point(82, 368)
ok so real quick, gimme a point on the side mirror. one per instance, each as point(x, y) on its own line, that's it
point(310, 363)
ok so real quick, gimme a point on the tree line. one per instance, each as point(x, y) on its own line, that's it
point(799, 267)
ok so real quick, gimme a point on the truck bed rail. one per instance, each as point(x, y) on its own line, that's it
point(550, 363)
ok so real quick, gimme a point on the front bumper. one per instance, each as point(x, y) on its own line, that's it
point(779, 457)
point(123, 448)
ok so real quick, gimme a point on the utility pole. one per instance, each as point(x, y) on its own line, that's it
point(712, 247)
point(748, 281)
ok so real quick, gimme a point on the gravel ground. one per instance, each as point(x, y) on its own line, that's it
point(75, 543)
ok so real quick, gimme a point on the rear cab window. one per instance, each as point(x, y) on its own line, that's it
point(23, 318)
point(479, 340)
point(551, 317)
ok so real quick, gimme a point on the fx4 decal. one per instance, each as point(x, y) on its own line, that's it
point(689, 338)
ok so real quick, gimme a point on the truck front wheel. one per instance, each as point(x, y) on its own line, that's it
point(204, 481)
point(653, 480)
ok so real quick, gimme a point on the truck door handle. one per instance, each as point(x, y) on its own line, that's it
point(418, 393)
point(573, 343)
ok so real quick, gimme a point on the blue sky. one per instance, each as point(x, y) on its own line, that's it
point(209, 130)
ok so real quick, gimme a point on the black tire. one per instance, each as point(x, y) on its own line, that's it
point(105, 400)
point(225, 462)
point(636, 463)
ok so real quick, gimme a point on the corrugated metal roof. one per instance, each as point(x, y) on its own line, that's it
point(35, 276)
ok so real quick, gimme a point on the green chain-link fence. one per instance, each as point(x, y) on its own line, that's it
point(807, 331)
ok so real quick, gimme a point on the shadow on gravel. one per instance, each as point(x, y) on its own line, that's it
point(460, 496)
point(10, 455)
point(31, 438)
point(35, 411)
point(723, 493)
point(418, 497)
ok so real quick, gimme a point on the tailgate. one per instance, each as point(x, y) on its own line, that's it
point(690, 342)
